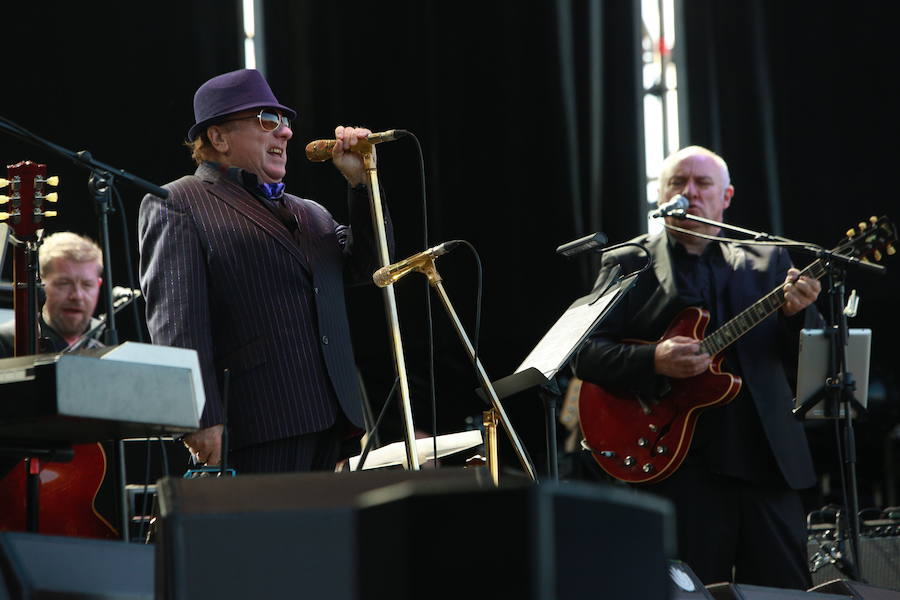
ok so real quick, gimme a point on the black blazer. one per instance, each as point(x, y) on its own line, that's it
point(764, 353)
point(221, 274)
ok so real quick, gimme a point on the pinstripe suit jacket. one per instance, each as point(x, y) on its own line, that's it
point(221, 274)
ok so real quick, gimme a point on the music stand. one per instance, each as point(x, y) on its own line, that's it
point(837, 396)
point(554, 351)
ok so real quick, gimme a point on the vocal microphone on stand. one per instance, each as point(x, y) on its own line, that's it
point(385, 276)
point(671, 208)
point(320, 150)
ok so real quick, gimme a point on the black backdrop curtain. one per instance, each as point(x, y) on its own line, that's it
point(800, 98)
point(529, 118)
point(510, 103)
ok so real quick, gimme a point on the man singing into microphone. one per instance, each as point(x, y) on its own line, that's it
point(739, 514)
point(253, 279)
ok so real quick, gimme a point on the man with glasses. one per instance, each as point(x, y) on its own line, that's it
point(253, 279)
point(70, 267)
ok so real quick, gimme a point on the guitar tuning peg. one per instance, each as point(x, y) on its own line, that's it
point(851, 233)
point(4, 216)
point(4, 199)
point(862, 226)
point(49, 213)
point(891, 250)
point(53, 181)
point(52, 197)
point(3, 182)
point(876, 254)
point(873, 219)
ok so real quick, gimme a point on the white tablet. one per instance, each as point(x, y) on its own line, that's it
point(813, 366)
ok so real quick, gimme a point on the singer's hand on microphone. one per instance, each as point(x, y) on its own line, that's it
point(348, 162)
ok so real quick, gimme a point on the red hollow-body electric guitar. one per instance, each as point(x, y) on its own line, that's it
point(640, 442)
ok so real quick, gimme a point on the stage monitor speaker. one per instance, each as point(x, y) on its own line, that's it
point(880, 561)
point(856, 590)
point(400, 534)
point(742, 591)
point(551, 541)
point(269, 536)
point(36, 566)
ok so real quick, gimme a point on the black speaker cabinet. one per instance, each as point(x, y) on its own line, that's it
point(880, 562)
point(269, 536)
point(36, 566)
point(856, 590)
point(398, 535)
point(741, 591)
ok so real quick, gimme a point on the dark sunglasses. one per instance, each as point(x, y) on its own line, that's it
point(269, 120)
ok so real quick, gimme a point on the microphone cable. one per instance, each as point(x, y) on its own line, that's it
point(129, 268)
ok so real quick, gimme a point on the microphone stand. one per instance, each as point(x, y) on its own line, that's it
point(496, 413)
point(840, 388)
point(366, 151)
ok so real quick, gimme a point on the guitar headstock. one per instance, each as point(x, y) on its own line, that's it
point(23, 206)
point(870, 238)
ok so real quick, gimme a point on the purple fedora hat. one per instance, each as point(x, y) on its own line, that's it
point(230, 93)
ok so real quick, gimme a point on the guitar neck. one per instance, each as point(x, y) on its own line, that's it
point(753, 315)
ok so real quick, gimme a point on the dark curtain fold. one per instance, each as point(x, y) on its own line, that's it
point(511, 103)
point(800, 99)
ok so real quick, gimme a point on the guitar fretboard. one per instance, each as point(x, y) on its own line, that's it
point(753, 315)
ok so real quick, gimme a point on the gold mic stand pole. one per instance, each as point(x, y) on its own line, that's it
point(366, 151)
point(490, 445)
point(499, 414)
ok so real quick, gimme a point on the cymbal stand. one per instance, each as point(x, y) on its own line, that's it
point(367, 151)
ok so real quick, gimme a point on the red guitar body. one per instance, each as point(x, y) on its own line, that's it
point(642, 443)
point(67, 495)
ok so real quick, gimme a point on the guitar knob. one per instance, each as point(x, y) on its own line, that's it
point(661, 449)
point(652, 427)
point(647, 468)
point(642, 442)
point(629, 461)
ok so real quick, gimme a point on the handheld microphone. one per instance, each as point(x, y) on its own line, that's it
point(320, 150)
point(679, 202)
point(387, 275)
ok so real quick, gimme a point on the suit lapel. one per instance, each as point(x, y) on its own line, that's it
point(666, 292)
point(249, 207)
